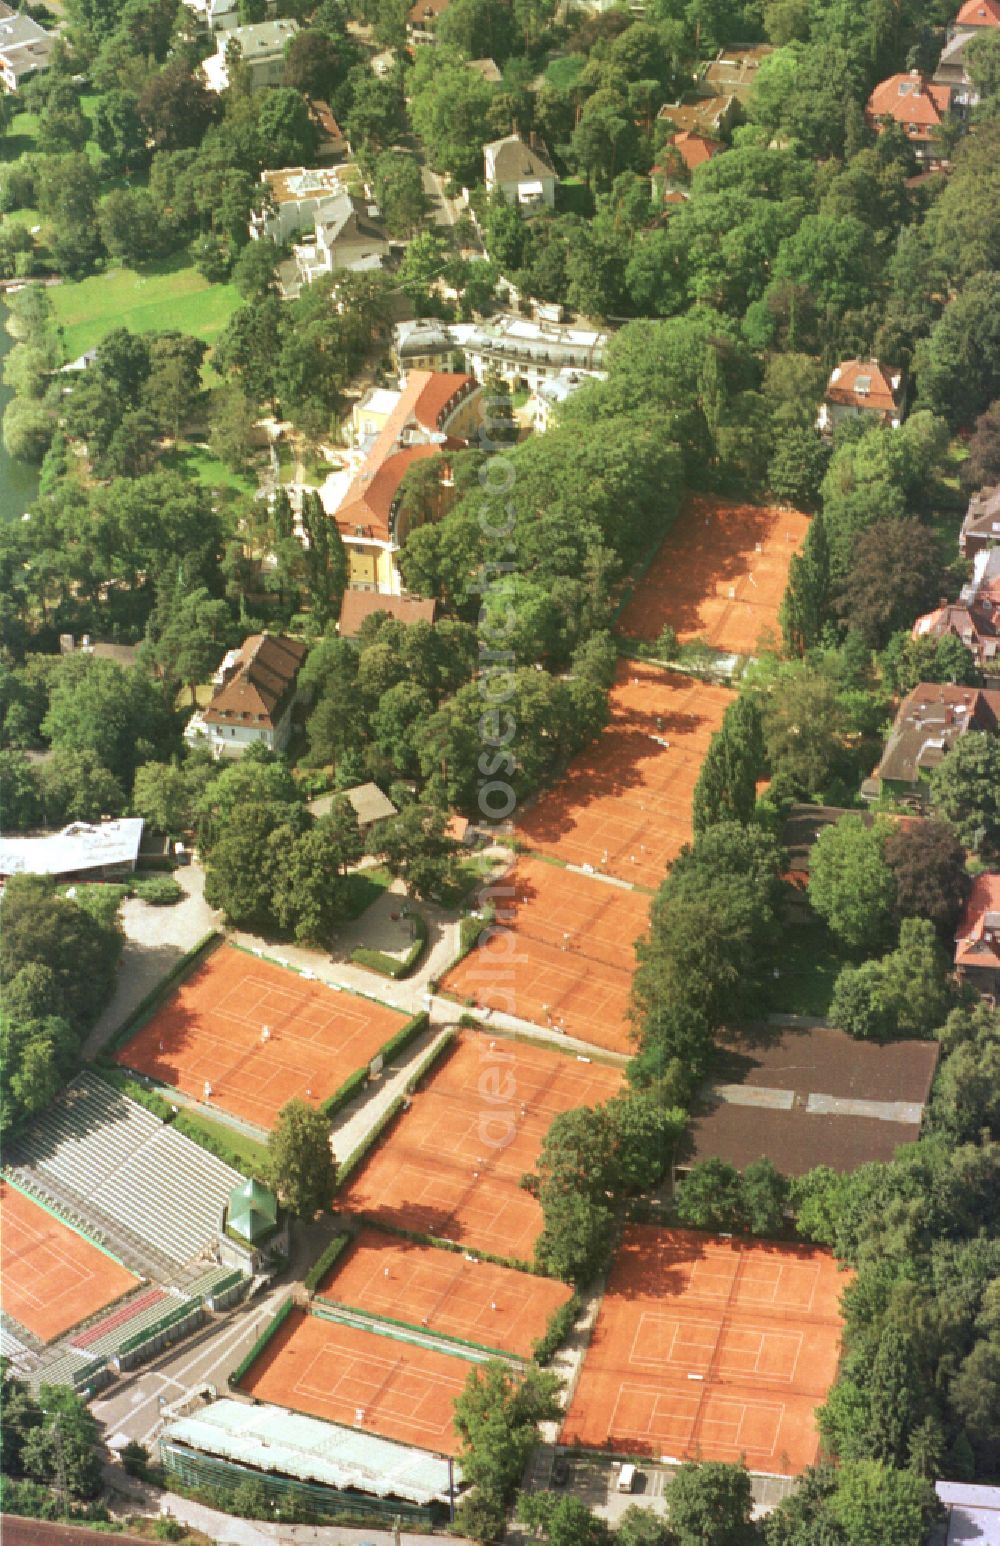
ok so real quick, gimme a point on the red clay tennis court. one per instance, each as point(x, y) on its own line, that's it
point(452, 1164)
point(362, 1380)
point(258, 1034)
point(711, 1349)
point(52, 1278)
point(624, 805)
point(719, 575)
point(493, 1306)
point(571, 963)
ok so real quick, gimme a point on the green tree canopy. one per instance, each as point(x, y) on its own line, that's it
point(301, 1166)
point(965, 789)
point(850, 883)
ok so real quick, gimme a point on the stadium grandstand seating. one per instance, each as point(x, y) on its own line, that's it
point(16, 1347)
point(138, 1314)
point(123, 1176)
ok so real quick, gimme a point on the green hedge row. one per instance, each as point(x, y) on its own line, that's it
point(389, 966)
point(558, 1329)
point(165, 988)
point(347, 1168)
point(421, 1237)
point(184, 1311)
point(135, 1089)
point(433, 1057)
point(471, 930)
point(407, 1033)
point(420, 1331)
point(158, 890)
point(321, 1266)
point(347, 1092)
point(277, 1320)
point(356, 1082)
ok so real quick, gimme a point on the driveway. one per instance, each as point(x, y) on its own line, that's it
point(155, 940)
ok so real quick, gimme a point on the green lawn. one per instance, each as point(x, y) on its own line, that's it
point(318, 472)
point(471, 874)
point(811, 958)
point(564, 73)
point(573, 197)
point(21, 137)
point(164, 295)
point(197, 461)
point(363, 888)
point(948, 504)
point(28, 217)
point(251, 1155)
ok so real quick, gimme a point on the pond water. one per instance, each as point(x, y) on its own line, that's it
point(18, 480)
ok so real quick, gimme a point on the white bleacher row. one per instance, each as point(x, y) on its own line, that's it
point(21, 1358)
point(115, 1155)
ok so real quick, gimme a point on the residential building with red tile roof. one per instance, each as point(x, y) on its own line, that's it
point(256, 688)
point(918, 105)
point(435, 411)
point(862, 387)
point(420, 19)
point(974, 617)
point(359, 605)
point(695, 149)
point(681, 155)
point(977, 13)
point(977, 941)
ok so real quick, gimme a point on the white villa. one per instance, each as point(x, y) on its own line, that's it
point(255, 692)
point(262, 50)
point(298, 197)
point(348, 234)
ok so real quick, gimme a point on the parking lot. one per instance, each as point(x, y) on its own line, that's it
point(594, 1479)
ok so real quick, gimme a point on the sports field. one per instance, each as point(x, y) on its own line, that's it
point(711, 1349)
point(164, 295)
point(719, 575)
point(571, 963)
point(248, 1036)
point(494, 1307)
point(51, 1278)
point(361, 1379)
point(624, 804)
point(452, 1164)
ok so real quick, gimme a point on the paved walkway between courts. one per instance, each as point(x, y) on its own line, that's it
point(231, 1531)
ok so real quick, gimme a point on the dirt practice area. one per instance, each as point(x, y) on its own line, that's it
point(246, 1035)
point(712, 1349)
point(52, 1278)
point(624, 805)
point(719, 575)
point(452, 1164)
point(361, 1379)
point(445, 1291)
point(564, 955)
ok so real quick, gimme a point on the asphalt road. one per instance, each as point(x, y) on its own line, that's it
point(444, 208)
point(133, 1404)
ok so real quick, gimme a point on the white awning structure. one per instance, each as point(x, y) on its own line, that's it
point(272, 1439)
point(77, 847)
